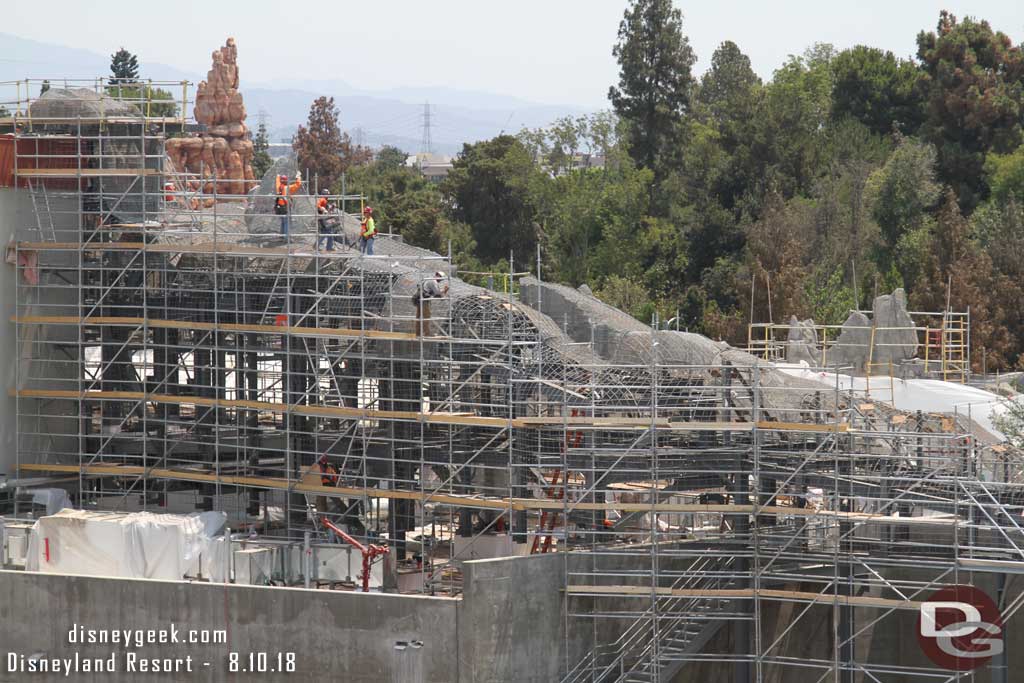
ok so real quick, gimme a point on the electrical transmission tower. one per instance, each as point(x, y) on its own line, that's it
point(426, 145)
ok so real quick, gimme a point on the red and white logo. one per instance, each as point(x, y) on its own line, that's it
point(960, 628)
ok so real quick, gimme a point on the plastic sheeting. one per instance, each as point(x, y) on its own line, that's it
point(55, 500)
point(928, 395)
point(128, 545)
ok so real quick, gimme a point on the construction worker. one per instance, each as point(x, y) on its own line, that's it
point(431, 288)
point(367, 231)
point(328, 472)
point(328, 477)
point(326, 221)
point(282, 206)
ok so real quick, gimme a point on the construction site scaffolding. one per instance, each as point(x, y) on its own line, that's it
point(177, 356)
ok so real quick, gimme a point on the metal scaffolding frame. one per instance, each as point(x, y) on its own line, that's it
point(173, 355)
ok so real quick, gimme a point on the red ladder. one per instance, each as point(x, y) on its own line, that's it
point(554, 492)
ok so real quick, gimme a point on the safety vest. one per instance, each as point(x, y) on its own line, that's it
point(367, 228)
point(283, 190)
point(328, 475)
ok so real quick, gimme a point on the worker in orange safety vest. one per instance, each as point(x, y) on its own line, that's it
point(282, 206)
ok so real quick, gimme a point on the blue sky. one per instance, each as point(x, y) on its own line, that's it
point(549, 51)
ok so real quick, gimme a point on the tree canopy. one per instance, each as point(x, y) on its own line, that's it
point(261, 161)
point(322, 148)
point(653, 92)
point(124, 67)
point(734, 199)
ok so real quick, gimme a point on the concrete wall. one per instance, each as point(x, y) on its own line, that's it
point(507, 627)
point(9, 217)
point(39, 435)
point(336, 636)
point(510, 619)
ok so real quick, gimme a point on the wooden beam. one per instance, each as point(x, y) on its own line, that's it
point(84, 172)
point(270, 483)
point(502, 503)
point(25, 119)
point(225, 248)
point(220, 327)
point(315, 411)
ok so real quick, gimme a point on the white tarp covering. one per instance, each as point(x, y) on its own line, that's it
point(928, 395)
point(55, 500)
point(129, 545)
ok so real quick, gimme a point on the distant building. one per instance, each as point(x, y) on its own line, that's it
point(433, 167)
point(589, 161)
point(276, 150)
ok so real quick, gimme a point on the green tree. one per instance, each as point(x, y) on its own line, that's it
point(566, 135)
point(261, 161)
point(391, 158)
point(321, 146)
point(490, 188)
point(999, 230)
point(717, 175)
point(409, 205)
point(728, 90)
point(1006, 176)
point(905, 189)
point(791, 136)
point(958, 269)
point(877, 89)
point(727, 103)
point(626, 295)
point(124, 67)
point(653, 93)
point(828, 299)
point(780, 247)
point(592, 222)
point(125, 85)
point(1011, 421)
point(973, 84)
point(157, 102)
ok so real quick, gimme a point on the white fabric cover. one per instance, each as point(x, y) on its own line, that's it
point(928, 395)
point(129, 545)
point(55, 500)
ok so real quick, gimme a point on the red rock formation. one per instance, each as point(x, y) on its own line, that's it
point(224, 151)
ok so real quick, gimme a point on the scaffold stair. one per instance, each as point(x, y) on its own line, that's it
point(641, 655)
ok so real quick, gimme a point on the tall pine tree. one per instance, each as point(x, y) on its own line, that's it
point(261, 160)
point(653, 93)
point(973, 84)
point(124, 67)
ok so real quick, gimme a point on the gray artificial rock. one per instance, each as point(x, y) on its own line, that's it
point(802, 343)
point(71, 103)
point(895, 338)
point(259, 213)
point(851, 348)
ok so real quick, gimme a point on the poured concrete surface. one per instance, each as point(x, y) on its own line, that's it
point(337, 636)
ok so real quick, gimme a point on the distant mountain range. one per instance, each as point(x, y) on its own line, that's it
point(373, 117)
